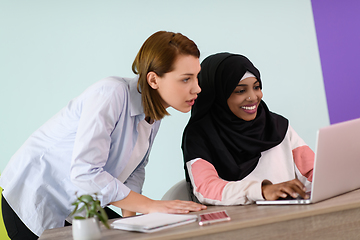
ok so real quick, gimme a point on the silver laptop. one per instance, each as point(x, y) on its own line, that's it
point(337, 163)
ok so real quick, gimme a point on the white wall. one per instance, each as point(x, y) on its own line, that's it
point(50, 51)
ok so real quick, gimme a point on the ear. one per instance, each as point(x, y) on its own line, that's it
point(152, 79)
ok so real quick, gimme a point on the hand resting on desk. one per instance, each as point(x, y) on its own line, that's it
point(136, 202)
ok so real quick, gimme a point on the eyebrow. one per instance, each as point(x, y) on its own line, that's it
point(244, 85)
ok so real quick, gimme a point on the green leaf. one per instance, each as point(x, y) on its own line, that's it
point(75, 209)
point(103, 219)
point(103, 214)
point(92, 206)
point(81, 209)
point(86, 198)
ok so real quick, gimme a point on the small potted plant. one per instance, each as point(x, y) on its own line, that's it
point(87, 227)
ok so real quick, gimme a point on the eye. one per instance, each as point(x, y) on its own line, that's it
point(186, 80)
point(239, 91)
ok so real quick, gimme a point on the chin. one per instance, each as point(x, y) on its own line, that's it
point(186, 111)
point(248, 118)
point(183, 110)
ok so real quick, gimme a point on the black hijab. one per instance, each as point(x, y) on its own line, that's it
point(232, 145)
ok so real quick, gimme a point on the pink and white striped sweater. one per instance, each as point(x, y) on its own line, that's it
point(292, 158)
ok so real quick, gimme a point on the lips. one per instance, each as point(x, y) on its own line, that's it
point(191, 102)
point(250, 108)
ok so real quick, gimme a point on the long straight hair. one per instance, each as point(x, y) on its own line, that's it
point(158, 54)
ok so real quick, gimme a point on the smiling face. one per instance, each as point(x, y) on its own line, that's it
point(245, 99)
point(179, 88)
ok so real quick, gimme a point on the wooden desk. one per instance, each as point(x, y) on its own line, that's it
point(336, 218)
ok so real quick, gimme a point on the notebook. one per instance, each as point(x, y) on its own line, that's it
point(337, 163)
point(153, 222)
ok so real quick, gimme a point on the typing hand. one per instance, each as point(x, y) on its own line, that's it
point(292, 189)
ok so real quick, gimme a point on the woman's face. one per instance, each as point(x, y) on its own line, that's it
point(245, 99)
point(179, 88)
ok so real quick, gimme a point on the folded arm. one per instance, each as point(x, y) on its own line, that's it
point(209, 188)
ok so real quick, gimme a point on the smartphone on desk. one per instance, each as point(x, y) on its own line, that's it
point(213, 217)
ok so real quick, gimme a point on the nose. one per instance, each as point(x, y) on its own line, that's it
point(252, 96)
point(196, 88)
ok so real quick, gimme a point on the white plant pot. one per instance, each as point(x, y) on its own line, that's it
point(86, 229)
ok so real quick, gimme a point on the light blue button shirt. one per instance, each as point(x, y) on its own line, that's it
point(83, 149)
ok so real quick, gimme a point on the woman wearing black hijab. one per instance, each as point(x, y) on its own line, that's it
point(235, 150)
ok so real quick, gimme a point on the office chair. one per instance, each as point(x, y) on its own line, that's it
point(178, 192)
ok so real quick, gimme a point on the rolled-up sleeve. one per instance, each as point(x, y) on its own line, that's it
point(100, 111)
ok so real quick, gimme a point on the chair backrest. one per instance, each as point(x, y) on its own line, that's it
point(178, 192)
point(3, 232)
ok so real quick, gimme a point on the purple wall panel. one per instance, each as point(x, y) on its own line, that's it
point(337, 26)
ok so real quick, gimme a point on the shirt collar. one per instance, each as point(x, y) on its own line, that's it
point(135, 98)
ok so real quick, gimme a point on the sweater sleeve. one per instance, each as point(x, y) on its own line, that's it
point(209, 188)
point(303, 158)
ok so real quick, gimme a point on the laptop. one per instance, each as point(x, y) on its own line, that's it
point(336, 166)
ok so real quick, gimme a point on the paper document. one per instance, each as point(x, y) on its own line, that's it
point(153, 222)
